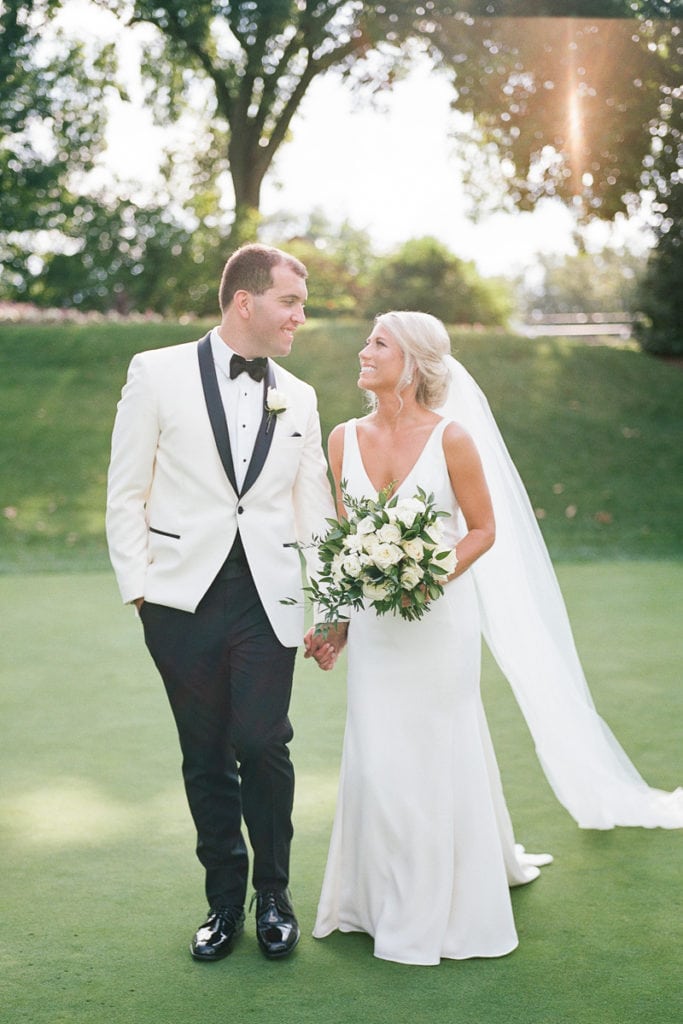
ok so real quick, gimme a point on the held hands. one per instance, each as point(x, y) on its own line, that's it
point(326, 645)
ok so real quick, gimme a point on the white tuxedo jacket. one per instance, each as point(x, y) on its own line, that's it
point(173, 509)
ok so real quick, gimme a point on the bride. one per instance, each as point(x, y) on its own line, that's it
point(422, 851)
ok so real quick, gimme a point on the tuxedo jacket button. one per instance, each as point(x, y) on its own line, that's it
point(240, 510)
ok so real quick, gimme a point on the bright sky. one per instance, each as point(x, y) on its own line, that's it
point(391, 170)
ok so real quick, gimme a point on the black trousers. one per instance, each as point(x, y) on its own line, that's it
point(229, 682)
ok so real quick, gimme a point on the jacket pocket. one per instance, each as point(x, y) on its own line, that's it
point(164, 533)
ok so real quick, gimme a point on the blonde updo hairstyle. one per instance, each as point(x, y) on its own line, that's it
point(424, 341)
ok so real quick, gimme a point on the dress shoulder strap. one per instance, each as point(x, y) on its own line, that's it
point(351, 452)
point(439, 430)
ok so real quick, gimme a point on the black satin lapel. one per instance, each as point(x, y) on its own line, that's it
point(263, 438)
point(214, 406)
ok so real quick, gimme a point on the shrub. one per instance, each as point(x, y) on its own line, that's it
point(423, 275)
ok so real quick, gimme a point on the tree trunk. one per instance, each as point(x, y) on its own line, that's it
point(248, 166)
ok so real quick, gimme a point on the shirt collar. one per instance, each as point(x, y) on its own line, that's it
point(222, 352)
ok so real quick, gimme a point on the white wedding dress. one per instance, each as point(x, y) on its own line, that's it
point(422, 852)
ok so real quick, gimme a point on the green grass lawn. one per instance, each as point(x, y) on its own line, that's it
point(596, 432)
point(101, 890)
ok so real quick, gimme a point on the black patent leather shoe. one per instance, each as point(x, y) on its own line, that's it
point(277, 929)
point(217, 935)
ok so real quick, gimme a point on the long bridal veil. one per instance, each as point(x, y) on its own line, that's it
point(526, 627)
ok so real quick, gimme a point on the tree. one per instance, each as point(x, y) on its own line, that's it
point(259, 60)
point(660, 298)
point(423, 275)
point(128, 258)
point(51, 130)
point(338, 258)
point(331, 286)
point(587, 282)
point(544, 113)
point(62, 241)
point(555, 119)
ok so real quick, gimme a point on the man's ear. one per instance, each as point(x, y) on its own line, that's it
point(242, 301)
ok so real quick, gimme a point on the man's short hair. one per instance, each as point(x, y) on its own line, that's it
point(250, 269)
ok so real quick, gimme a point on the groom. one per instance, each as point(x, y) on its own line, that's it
point(216, 473)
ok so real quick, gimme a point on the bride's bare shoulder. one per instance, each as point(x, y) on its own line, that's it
point(456, 438)
point(336, 438)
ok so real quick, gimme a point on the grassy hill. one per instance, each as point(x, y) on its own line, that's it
point(596, 432)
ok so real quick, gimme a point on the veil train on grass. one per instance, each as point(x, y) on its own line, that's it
point(526, 627)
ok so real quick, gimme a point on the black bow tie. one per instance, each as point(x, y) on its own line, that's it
point(256, 368)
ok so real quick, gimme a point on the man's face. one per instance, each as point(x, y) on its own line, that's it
point(275, 315)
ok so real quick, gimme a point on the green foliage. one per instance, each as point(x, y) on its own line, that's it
point(560, 8)
point(544, 109)
point(587, 282)
point(61, 243)
point(550, 123)
point(661, 296)
point(332, 287)
point(338, 259)
point(128, 258)
point(546, 116)
point(596, 432)
point(52, 119)
point(423, 275)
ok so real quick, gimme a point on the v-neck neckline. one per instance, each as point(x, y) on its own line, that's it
point(412, 469)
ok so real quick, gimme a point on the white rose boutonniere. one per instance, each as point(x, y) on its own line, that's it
point(276, 403)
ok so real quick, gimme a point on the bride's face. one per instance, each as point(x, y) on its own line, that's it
point(381, 362)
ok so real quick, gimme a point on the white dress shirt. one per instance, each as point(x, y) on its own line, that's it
point(243, 404)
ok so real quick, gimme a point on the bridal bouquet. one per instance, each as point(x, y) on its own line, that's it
point(387, 554)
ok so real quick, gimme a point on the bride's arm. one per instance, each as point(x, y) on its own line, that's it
point(472, 494)
point(325, 647)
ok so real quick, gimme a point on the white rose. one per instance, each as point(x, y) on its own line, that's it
point(375, 591)
point(336, 568)
point(414, 548)
point(389, 533)
point(370, 543)
point(450, 560)
point(411, 576)
point(352, 566)
point(365, 525)
point(353, 542)
point(407, 509)
point(386, 555)
point(435, 532)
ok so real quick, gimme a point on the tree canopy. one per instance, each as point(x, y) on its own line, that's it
point(551, 111)
point(556, 118)
point(577, 100)
point(51, 129)
point(424, 275)
point(661, 295)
